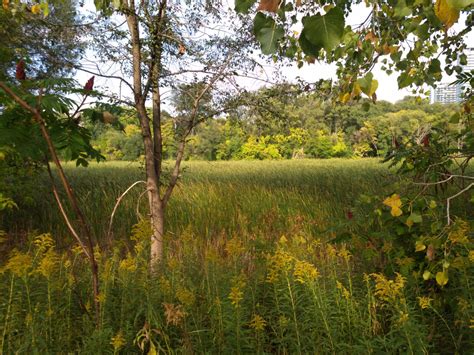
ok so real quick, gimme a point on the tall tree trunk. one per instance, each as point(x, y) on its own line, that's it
point(152, 163)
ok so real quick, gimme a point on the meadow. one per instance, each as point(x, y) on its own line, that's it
point(261, 257)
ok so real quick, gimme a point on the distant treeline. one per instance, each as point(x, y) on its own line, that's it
point(271, 124)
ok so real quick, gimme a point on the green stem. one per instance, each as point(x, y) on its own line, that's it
point(7, 316)
point(294, 313)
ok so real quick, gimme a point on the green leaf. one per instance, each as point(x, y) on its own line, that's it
point(368, 84)
point(243, 6)
point(401, 9)
point(267, 32)
point(415, 217)
point(322, 31)
point(461, 4)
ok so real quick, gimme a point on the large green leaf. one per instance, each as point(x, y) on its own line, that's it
point(267, 32)
point(368, 84)
point(322, 31)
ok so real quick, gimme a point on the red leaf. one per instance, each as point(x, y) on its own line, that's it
point(89, 85)
point(20, 70)
point(426, 140)
point(350, 215)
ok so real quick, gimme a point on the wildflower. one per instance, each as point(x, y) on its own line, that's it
point(349, 215)
point(345, 293)
point(403, 317)
point(424, 302)
point(278, 262)
point(101, 297)
point(236, 294)
point(258, 323)
point(345, 254)
point(331, 250)
point(36, 9)
point(388, 290)
point(48, 263)
point(77, 250)
point(118, 341)
point(459, 232)
point(471, 256)
point(234, 247)
point(185, 296)
point(5, 4)
point(19, 264)
point(174, 313)
point(128, 264)
point(305, 271)
point(44, 242)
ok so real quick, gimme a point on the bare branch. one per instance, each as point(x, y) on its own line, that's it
point(119, 199)
point(448, 201)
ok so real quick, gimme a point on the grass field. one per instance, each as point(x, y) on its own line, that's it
point(214, 197)
point(248, 267)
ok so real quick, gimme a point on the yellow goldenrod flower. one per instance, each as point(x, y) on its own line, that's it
point(44, 242)
point(128, 264)
point(305, 271)
point(258, 323)
point(277, 263)
point(236, 294)
point(459, 232)
point(345, 254)
point(118, 341)
point(331, 250)
point(388, 290)
point(345, 293)
point(48, 264)
point(19, 264)
point(403, 317)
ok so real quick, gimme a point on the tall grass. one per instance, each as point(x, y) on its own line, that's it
point(216, 197)
point(248, 269)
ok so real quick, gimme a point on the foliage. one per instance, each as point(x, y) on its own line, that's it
point(406, 37)
point(24, 37)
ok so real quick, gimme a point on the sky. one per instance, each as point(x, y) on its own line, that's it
point(387, 90)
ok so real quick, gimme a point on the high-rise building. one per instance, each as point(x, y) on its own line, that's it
point(446, 93)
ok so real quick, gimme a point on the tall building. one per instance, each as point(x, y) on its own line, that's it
point(446, 93)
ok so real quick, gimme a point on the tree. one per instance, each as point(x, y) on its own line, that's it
point(407, 37)
point(51, 45)
point(160, 49)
